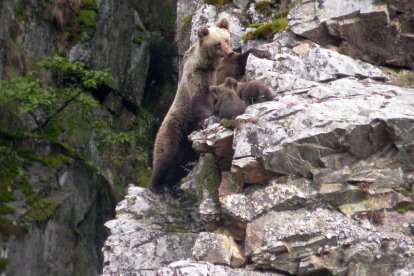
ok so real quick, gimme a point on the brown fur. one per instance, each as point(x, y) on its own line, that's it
point(235, 65)
point(228, 104)
point(253, 91)
point(192, 103)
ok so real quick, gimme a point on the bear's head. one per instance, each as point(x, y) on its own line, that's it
point(225, 90)
point(215, 40)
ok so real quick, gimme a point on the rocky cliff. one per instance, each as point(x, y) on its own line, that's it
point(59, 181)
point(318, 181)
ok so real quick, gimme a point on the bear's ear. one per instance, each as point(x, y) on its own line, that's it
point(224, 24)
point(202, 32)
point(231, 82)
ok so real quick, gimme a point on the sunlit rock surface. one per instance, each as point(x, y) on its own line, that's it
point(318, 181)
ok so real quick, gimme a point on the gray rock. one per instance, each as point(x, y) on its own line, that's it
point(295, 241)
point(217, 249)
point(81, 52)
point(150, 231)
point(182, 268)
point(361, 29)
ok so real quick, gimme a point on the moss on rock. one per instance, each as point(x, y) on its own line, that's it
point(87, 18)
point(3, 264)
point(218, 2)
point(265, 31)
point(42, 209)
point(56, 161)
point(207, 178)
point(137, 40)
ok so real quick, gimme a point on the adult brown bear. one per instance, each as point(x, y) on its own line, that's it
point(192, 103)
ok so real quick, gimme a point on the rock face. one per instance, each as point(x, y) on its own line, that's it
point(56, 226)
point(316, 182)
point(380, 32)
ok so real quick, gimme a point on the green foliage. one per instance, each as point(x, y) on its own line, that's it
point(207, 178)
point(218, 2)
point(137, 40)
point(87, 18)
point(279, 22)
point(404, 207)
point(4, 209)
point(265, 31)
point(263, 7)
point(42, 209)
point(140, 27)
point(75, 73)
point(187, 19)
point(143, 177)
point(3, 264)
point(27, 92)
point(27, 154)
point(226, 122)
point(89, 5)
point(174, 228)
point(11, 173)
point(20, 11)
point(56, 161)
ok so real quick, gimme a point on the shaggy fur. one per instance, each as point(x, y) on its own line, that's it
point(235, 66)
point(228, 104)
point(253, 91)
point(192, 103)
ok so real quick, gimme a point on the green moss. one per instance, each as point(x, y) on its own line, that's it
point(4, 209)
point(218, 2)
point(90, 5)
point(42, 209)
point(143, 178)
point(263, 7)
point(43, 4)
point(207, 178)
point(56, 161)
point(87, 18)
point(226, 122)
point(174, 228)
point(27, 154)
point(140, 27)
point(265, 31)
point(20, 12)
point(187, 19)
point(405, 79)
point(404, 207)
point(3, 264)
point(222, 231)
point(137, 40)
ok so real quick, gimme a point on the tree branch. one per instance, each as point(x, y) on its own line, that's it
point(65, 104)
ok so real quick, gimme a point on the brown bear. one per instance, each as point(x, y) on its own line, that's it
point(235, 65)
point(253, 91)
point(192, 103)
point(228, 103)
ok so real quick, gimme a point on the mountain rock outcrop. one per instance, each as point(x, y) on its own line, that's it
point(318, 181)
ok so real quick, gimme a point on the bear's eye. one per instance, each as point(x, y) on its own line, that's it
point(217, 45)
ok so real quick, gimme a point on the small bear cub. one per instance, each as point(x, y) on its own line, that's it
point(228, 104)
point(253, 91)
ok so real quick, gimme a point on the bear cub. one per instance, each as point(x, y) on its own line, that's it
point(228, 103)
point(253, 91)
